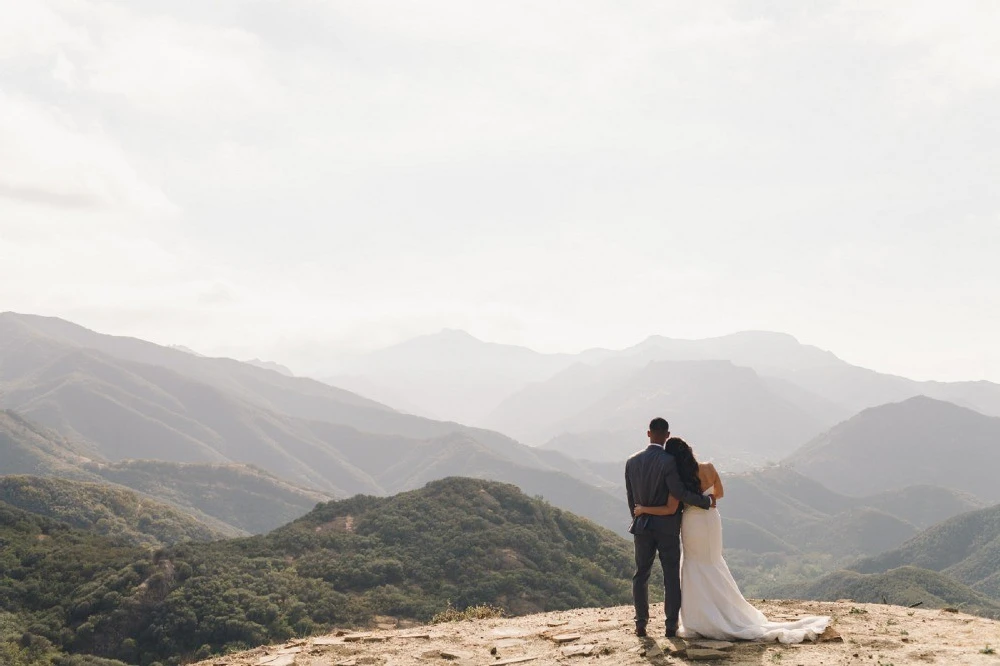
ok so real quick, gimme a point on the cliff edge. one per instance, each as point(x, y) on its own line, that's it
point(873, 634)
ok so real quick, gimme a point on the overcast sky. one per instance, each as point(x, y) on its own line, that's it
point(300, 179)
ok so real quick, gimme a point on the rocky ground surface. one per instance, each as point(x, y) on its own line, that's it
point(861, 634)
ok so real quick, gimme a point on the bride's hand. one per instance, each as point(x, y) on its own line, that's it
point(638, 510)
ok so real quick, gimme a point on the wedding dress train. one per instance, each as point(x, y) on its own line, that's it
point(712, 605)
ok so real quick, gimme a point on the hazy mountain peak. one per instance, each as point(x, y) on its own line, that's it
point(271, 365)
point(186, 350)
point(453, 374)
point(449, 335)
point(54, 327)
point(925, 402)
point(449, 338)
point(919, 440)
point(748, 336)
point(457, 334)
point(918, 407)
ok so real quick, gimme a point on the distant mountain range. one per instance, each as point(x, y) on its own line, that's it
point(743, 399)
point(729, 413)
point(114, 399)
point(111, 446)
point(28, 448)
point(789, 511)
point(919, 441)
point(452, 375)
point(449, 375)
point(228, 498)
point(271, 365)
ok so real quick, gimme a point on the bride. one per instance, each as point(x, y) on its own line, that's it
point(711, 603)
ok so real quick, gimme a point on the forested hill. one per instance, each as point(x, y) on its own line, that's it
point(459, 540)
point(106, 509)
point(905, 586)
point(966, 547)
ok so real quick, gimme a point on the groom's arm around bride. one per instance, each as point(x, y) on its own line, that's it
point(651, 477)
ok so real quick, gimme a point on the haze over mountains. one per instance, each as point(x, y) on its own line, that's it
point(727, 411)
point(229, 498)
point(917, 441)
point(808, 516)
point(957, 559)
point(111, 399)
point(784, 392)
point(450, 375)
point(156, 445)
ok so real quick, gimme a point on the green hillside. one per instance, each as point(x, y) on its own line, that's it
point(966, 547)
point(904, 586)
point(460, 540)
point(924, 505)
point(811, 518)
point(857, 531)
point(58, 585)
point(779, 500)
point(104, 509)
point(781, 527)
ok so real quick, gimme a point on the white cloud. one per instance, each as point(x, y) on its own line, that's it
point(35, 29)
point(943, 52)
point(48, 156)
point(293, 175)
point(178, 71)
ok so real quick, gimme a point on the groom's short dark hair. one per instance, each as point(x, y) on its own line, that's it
point(659, 425)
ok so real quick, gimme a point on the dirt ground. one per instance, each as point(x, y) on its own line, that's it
point(869, 634)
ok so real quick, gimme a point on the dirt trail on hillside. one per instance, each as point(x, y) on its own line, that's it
point(869, 634)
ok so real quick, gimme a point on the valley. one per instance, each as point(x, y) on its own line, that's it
point(217, 505)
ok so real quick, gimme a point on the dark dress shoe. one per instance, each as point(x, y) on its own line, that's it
point(671, 633)
point(640, 631)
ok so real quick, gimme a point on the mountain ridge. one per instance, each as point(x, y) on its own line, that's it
point(105, 395)
point(964, 547)
point(726, 411)
point(920, 440)
point(838, 388)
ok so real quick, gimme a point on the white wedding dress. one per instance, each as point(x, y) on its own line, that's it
point(711, 603)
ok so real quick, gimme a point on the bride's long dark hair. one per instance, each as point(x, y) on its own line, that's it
point(687, 464)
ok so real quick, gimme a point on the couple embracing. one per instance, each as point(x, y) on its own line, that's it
point(673, 500)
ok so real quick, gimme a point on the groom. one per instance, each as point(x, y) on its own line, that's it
point(650, 478)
